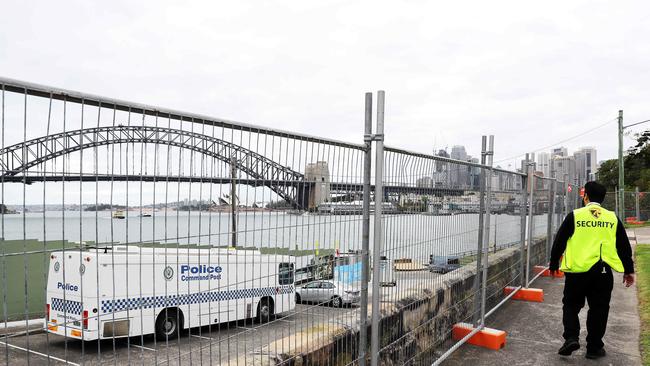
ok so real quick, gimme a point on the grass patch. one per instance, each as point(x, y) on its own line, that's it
point(24, 266)
point(642, 257)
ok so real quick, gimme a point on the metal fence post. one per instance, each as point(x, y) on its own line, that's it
point(481, 228)
point(567, 185)
point(636, 204)
point(523, 207)
point(365, 231)
point(233, 201)
point(486, 238)
point(561, 186)
point(531, 218)
point(376, 249)
point(551, 208)
point(616, 208)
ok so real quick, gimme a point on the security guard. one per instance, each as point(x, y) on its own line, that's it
point(590, 243)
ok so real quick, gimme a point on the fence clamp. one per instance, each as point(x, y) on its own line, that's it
point(373, 137)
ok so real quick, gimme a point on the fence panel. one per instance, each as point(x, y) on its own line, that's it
point(122, 219)
point(182, 238)
point(642, 206)
point(433, 235)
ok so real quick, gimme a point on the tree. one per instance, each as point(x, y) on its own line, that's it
point(636, 174)
point(637, 167)
point(608, 174)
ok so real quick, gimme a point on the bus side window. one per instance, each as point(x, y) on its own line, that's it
point(285, 274)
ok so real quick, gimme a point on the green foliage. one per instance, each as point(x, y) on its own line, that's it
point(279, 205)
point(637, 174)
point(608, 174)
point(637, 167)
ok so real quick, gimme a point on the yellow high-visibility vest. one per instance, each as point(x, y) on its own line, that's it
point(594, 239)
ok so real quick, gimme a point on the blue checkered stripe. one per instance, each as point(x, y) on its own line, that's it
point(163, 301)
point(68, 306)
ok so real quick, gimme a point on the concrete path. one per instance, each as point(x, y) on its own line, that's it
point(640, 235)
point(535, 330)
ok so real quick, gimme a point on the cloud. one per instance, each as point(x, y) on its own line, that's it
point(531, 74)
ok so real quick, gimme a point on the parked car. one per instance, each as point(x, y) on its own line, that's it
point(334, 293)
point(444, 263)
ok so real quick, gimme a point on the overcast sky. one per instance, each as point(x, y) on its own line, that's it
point(531, 74)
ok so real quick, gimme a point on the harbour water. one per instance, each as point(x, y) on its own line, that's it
point(413, 235)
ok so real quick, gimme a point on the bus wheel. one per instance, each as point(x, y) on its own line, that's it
point(265, 310)
point(168, 324)
point(336, 302)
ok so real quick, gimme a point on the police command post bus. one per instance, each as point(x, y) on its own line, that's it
point(124, 291)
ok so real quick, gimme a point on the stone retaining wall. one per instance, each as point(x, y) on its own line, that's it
point(415, 329)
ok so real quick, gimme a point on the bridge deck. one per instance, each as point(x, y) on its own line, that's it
point(337, 187)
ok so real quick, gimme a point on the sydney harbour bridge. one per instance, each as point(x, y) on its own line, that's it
point(18, 160)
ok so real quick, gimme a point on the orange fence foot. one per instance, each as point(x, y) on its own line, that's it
point(546, 272)
point(487, 337)
point(526, 294)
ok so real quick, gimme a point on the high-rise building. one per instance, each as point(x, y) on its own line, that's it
point(586, 164)
point(581, 167)
point(474, 174)
point(524, 167)
point(591, 162)
point(458, 152)
point(459, 173)
point(544, 163)
point(440, 165)
point(424, 182)
point(565, 168)
point(559, 151)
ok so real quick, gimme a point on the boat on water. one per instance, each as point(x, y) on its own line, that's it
point(119, 214)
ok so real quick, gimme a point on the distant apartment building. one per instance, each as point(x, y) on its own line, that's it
point(544, 163)
point(425, 182)
point(441, 177)
point(531, 162)
point(591, 162)
point(581, 167)
point(565, 168)
point(586, 164)
point(459, 173)
point(560, 151)
point(441, 165)
point(474, 174)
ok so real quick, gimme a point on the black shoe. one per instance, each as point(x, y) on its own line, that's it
point(568, 347)
point(593, 355)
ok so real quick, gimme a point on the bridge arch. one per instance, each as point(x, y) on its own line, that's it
point(19, 158)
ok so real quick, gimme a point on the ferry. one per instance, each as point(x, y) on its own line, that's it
point(119, 214)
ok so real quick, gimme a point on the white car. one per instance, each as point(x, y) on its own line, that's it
point(335, 293)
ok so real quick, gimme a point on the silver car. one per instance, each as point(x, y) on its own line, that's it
point(444, 263)
point(328, 292)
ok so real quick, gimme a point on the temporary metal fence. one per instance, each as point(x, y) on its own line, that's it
point(185, 239)
point(637, 205)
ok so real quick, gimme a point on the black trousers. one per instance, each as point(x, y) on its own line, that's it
point(596, 286)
